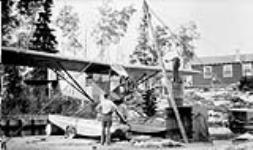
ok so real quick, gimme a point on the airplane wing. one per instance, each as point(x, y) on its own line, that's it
point(22, 57)
point(56, 62)
point(32, 58)
point(136, 72)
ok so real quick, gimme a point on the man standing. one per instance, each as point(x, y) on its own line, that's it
point(106, 107)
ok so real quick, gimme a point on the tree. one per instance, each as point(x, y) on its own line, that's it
point(68, 22)
point(27, 13)
point(186, 36)
point(112, 26)
point(13, 90)
point(144, 51)
point(37, 15)
point(35, 19)
point(13, 87)
point(43, 39)
point(149, 104)
point(37, 36)
point(9, 22)
point(181, 42)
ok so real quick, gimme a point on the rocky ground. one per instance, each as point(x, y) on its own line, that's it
point(59, 143)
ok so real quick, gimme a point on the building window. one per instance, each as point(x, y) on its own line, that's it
point(207, 72)
point(227, 71)
point(247, 69)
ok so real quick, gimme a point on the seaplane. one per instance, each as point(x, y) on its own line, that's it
point(63, 65)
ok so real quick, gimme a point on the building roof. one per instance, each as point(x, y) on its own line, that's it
point(226, 59)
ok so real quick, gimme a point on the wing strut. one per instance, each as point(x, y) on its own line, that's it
point(145, 79)
point(77, 85)
point(64, 78)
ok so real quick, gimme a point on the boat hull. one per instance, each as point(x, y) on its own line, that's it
point(84, 127)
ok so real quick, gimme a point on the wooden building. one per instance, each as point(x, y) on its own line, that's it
point(221, 70)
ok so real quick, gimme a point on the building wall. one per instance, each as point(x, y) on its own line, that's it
point(217, 69)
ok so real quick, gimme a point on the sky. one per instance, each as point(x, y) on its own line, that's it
point(224, 25)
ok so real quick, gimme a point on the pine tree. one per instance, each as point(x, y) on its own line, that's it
point(13, 96)
point(186, 36)
point(111, 27)
point(9, 22)
point(43, 39)
point(68, 22)
point(149, 104)
point(144, 51)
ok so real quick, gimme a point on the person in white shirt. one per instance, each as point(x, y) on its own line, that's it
point(106, 107)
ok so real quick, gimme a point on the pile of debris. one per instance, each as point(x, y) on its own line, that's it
point(242, 142)
point(218, 102)
point(148, 142)
point(192, 97)
point(219, 98)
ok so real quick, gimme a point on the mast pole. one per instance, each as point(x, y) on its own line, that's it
point(171, 100)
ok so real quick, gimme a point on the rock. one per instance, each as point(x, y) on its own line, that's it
point(142, 138)
point(244, 137)
point(241, 146)
point(158, 143)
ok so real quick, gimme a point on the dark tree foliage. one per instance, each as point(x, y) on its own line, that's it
point(13, 95)
point(43, 39)
point(8, 21)
point(144, 51)
point(149, 104)
point(16, 99)
point(164, 41)
point(29, 7)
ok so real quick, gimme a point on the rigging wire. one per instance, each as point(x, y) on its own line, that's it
point(176, 39)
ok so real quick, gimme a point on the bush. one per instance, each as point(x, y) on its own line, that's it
point(149, 105)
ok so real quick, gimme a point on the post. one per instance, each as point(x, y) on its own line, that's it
point(1, 89)
point(109, 80)
point(171, 100)
point(1, 69)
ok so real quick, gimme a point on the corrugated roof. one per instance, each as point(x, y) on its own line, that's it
point(209, 60)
